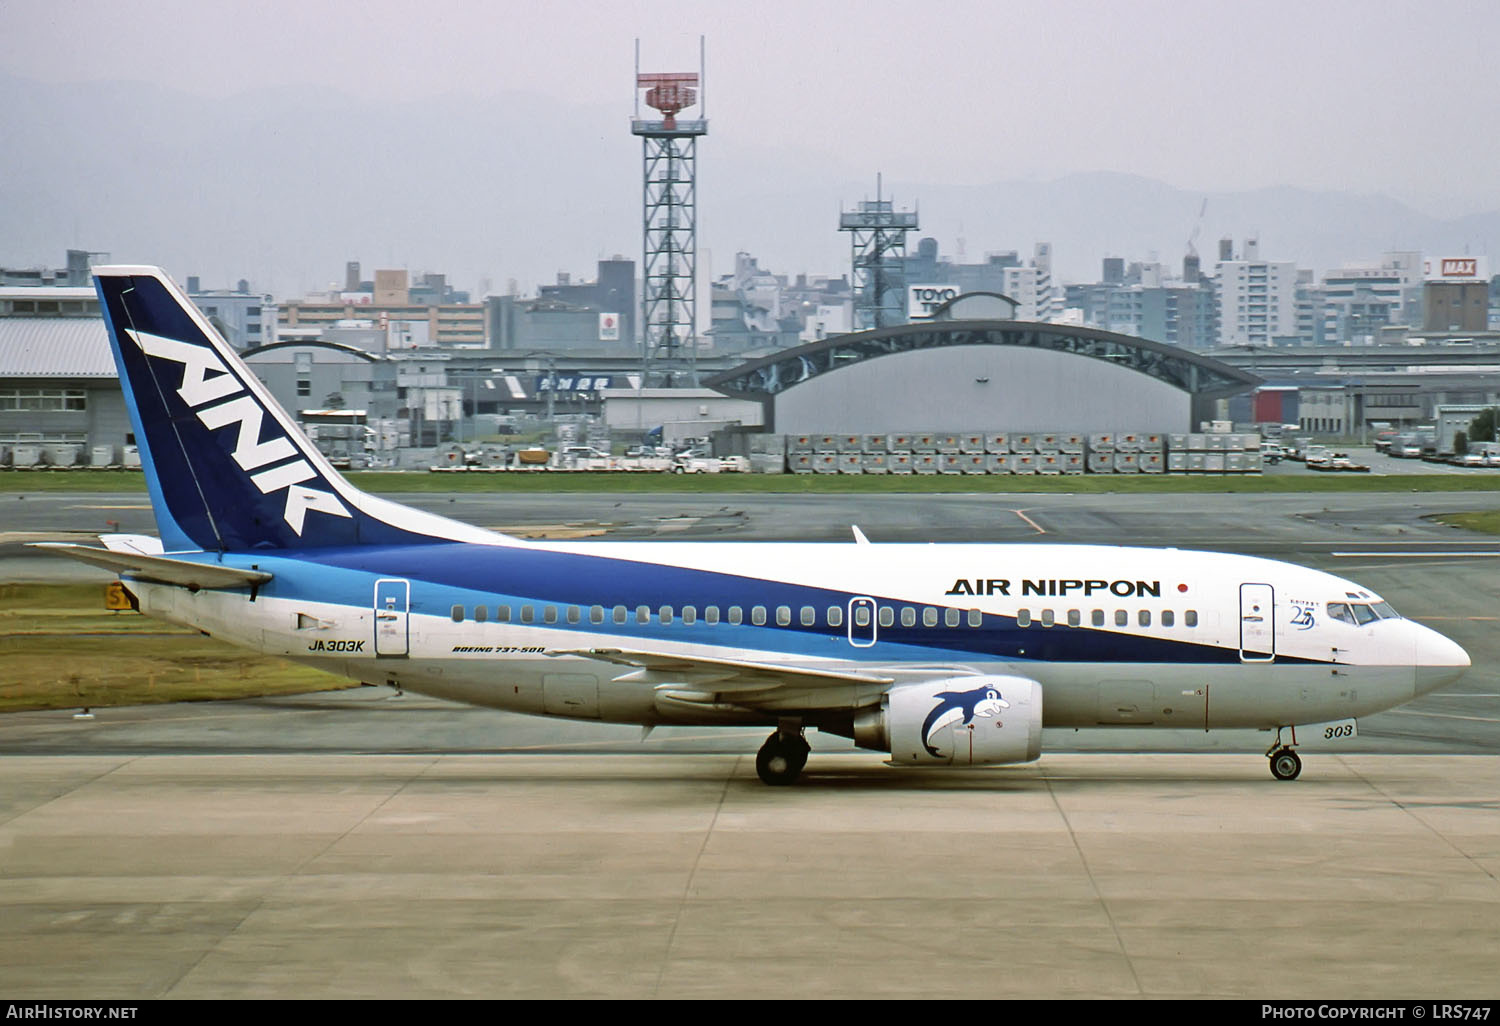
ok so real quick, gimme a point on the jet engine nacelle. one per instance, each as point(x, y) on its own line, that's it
point(961, 721)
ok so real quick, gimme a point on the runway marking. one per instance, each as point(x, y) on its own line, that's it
point(1032, 523)
point(1409, 555)
point(1461, 694)
point(1445, 716)
point(109, 507)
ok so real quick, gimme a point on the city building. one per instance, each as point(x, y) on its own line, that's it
point(1456, 294)
point(413, 323)
point(245, 319)
point(75, 274)
point(582, 318)
point(751, 311)
point(1257, 300)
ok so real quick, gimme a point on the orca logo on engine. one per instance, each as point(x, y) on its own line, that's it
point(205, 381)
point(956, 706)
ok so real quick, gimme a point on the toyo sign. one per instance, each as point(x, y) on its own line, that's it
point(922, 301)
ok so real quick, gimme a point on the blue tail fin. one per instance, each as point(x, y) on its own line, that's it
point(228, 470)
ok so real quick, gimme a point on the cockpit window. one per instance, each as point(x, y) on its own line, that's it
point(1358, 614)
point(1340, 611)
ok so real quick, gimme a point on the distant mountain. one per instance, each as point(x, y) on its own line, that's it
point(282, 186)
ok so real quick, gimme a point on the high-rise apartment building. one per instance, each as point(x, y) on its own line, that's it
point(1257, 302)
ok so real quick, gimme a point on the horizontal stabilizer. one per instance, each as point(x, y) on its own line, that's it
point(162, 569)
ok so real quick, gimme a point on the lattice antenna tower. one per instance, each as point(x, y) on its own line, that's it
point(669, 222)
point(878, 250)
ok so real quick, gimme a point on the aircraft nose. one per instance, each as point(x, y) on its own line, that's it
point(1439, 660)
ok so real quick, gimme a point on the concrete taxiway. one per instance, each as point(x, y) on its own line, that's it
point(562, 876)
point(360, 844)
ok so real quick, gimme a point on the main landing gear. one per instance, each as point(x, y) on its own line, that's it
point(780, 760)
point(1285, 764)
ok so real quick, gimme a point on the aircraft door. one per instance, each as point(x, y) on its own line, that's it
point(862, 626)
point(1257, 623)
point(392, 632)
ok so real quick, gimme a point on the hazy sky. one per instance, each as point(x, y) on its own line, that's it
point(1370, 96)
point(807, 101)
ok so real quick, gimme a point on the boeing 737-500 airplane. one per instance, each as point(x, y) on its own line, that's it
point(941, 655)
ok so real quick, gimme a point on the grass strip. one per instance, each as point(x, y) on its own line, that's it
point(60, 648)
point(1487, 523)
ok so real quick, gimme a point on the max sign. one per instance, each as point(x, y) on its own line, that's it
point(923, 300)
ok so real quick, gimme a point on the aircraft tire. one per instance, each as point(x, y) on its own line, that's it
point(779, 761)
point(1285, 764)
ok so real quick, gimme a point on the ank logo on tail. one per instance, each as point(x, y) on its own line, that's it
point(205, 381)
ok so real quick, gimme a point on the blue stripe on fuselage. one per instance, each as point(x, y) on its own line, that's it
point(445, 575)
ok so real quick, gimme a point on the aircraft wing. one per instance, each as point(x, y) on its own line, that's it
point(162, 569)
point(726, 675)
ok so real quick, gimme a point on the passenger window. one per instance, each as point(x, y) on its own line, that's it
point(502, 614)
point(527, 614)
point(549, 614)
point(835, 616)
point(574, 614)
point(1190, 618)
point(596, 614)
point(950, 617)
point(1074, 618)
point(736, 615)
point(908, 616)
point(481, 614)
point(1122, 618)
point(689, 615)
point(621, 613)
point(887, 616)
point(1047, 619)
point(1144, 619)
point(1097, 618)
point(861, 616)
point(809, 616)
point(1340, 611)
point(665, 614)
point(711, 614)
point(976, 618)
point(758, 615)
point(1168, 618)
point(783, 615)
point(642, 614)
point(929, 617)
point(458, 614)
point(1023, 618)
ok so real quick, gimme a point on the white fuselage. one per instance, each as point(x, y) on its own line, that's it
point(1115, 636)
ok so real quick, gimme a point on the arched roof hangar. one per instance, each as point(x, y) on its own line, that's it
point(995, 375)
